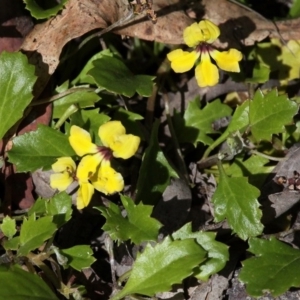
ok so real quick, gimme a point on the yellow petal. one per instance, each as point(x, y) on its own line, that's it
point(206, 72)
point(227, 60)
point(182, 61)
point(81, 141)
point(107, 180)
point(204, 31)
point(113, 135)
point(60, 181)
point(64, 164)
point(84, 194)
point(87, 166)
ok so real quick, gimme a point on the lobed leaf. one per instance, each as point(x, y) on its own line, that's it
point(60, 207)
point(138, 226)
point(79, 257)
point(275, 267)
point(159, 267)
point(34, 232)
point(217, 253)
point(269, 113)
point(8, 227)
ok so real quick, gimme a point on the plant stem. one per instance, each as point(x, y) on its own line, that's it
point(180, 160)
point(267, 156)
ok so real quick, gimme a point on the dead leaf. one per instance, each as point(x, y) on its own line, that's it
point(239, 26)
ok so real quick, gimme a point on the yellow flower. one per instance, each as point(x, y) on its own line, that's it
point(94, 169)
point(107, 180)
point(113, 135)
point(201, 35)
point(84, 194)
point(64, 170)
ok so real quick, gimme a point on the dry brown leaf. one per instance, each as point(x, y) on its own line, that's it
point(239, 25)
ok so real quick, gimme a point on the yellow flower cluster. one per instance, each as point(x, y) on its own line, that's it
point(200, 36)
point(94, 170)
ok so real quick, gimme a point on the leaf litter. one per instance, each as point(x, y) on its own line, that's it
point(44, 46)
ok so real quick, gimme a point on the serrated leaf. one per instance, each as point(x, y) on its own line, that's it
point(275, 267)
point(38, 208)
point(254, 168)
point(269, 113)
point(17, 79)
point(138, 226)
point(39, 149)
point(8, 227)
point(198, 121)
point(217, 253)
point(81, 98)
point(18, 284)
point(159, 267)
point(113, 75)
point(79, 257)
point(155, 172)
point(60, 207)
point(12, 244)
point(34, 232)
point(236, 200)
point(39, 13)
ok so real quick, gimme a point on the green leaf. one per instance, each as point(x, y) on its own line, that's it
point(113, 75)
point(217, 252)
point(8, 227)
point(269, 113)
point(239, 122)
point(198, 121)
point(253, 168)
point(17, 79)
point(275, 267)
point(34, 232)
point(81, 98)
point(12, 244)
point(155, 172)
point(60, 207)
point(260, 74)
point(39, 13)
point(38, 208)
point(18, 284)
point(79, 257)
point(295, 9)
point(138, 226)
point(83, 77)
point(39, 149)
point(236, 200)
point(158, 268)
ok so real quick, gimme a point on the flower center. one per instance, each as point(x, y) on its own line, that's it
point(105, 152)
point(204, 47)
